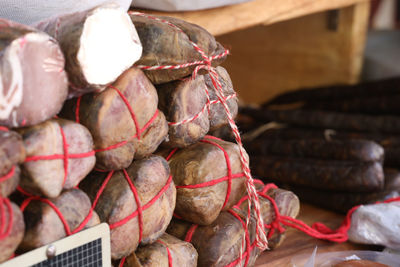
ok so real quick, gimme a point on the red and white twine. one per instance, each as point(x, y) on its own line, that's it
point(261, 239)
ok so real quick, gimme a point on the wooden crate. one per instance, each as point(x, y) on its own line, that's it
point(281, 45)
point(304, 52)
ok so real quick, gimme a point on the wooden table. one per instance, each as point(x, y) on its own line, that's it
point(232, 18)
point(282, 45)
point(297, 242)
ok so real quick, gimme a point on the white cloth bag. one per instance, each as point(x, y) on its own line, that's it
point(182, 5)
point(32, 11)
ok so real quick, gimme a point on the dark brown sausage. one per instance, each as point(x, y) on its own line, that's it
point(375, 88)
point(376, 105)
point(389, 142)
point(343, 201)
point(320, 174)
point(350, 150)
point(329, 120)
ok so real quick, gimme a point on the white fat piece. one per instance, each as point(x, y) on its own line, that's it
point(11, 73)
point(109, 45)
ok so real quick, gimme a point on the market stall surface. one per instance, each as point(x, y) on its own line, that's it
point(297, 242)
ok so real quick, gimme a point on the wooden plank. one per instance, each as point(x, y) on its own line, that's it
point(268, 60)
point(297, 243)
point(235, 17)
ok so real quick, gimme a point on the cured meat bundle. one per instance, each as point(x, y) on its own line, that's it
point(59, 155)
point(166, 251)
point(31, 72)
point(173, 42)
point(13, 230)
point(12, 226)
point(12, 153)
point(136, 202)
point(48, 220)
point(99, 44)
point(123, 119)
point(93, 162)
point(208, 177)
point(193, 109)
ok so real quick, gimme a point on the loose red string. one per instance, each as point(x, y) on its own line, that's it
point(317, 230)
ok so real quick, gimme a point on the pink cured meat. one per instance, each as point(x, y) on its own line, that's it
point(99, 44)
point(42, 175)
point(33, 83)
